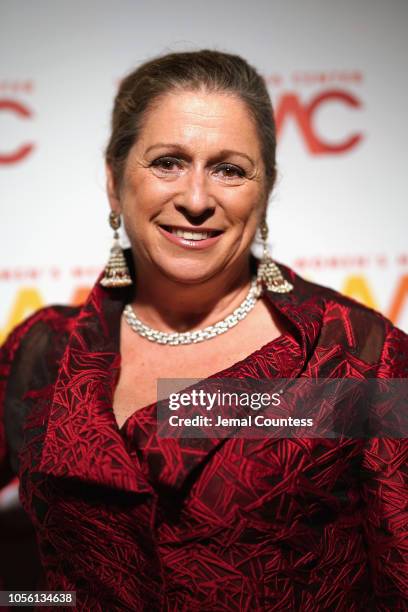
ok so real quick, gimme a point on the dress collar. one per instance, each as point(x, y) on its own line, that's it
point(82, 438)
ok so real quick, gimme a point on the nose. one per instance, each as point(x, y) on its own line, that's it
point(196, 201)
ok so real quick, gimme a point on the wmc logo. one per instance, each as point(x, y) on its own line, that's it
point(22, 150)
point(290, 107)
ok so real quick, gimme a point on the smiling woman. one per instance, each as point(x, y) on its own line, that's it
point(130, 520)
point(171, 193)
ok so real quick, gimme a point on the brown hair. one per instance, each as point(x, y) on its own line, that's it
point(206, 69)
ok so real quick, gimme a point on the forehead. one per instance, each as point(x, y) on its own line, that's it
point(200, 118)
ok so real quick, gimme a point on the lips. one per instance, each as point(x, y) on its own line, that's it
point(191, 233)
point(190, 238)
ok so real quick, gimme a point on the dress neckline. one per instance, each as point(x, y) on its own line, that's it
point(148, 410)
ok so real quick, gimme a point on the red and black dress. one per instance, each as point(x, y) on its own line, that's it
point(131, 521)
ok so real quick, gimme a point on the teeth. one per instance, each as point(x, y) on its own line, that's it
point(191, 235)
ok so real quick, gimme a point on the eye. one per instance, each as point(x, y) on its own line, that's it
point(231, 172)
point(166, 165)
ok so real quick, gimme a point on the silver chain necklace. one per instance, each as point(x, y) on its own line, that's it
point(175, 338)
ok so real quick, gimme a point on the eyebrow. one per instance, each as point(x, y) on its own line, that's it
point(223, 153)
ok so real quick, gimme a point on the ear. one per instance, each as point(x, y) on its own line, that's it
point(111, 190)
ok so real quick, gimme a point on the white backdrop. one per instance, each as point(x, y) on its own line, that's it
point(337, 77)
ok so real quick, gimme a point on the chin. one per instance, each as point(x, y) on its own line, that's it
point(190, 273)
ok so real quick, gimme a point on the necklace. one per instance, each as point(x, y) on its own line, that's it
point(175, 338)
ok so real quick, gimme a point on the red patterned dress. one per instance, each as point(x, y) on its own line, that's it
point(132, 521)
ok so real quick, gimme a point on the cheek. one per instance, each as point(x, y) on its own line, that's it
point(246, 207)
point(150, 187)
point(143, 197)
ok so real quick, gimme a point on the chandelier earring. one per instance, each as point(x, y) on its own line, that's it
point(269, 275)
point(116, 272)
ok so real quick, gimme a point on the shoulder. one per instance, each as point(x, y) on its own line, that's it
point(332, 299)
point(29, 359)
point(373, 335)
point(38, 339)
point(306, 289)
point(47, 322)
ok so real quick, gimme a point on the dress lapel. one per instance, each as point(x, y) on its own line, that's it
point(83, 440)
point(304, 309)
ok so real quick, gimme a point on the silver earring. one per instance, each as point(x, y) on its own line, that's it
point(269, 274)
point(116, 270)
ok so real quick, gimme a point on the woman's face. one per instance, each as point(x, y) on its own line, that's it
point(193, 189)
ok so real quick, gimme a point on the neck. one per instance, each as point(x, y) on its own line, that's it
point(170, 305)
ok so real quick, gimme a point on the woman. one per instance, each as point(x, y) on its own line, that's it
point(132, 521)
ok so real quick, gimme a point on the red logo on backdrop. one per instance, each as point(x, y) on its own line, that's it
point(10, 105)
point(289, 106)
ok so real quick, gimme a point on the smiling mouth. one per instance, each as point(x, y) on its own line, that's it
point(191, 234)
